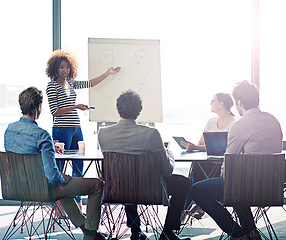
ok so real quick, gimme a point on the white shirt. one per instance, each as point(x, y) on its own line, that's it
point(211, 125)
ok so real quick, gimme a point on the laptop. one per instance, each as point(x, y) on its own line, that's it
point(216, 143)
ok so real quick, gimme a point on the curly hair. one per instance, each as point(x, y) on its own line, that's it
point(29, 100)
point(54, 62)
point(129, 105)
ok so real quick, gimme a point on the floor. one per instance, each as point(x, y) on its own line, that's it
point(197, 229)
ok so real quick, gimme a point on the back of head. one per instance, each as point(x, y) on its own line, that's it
point(129, 105)
point(247, 93)
point(29, 100)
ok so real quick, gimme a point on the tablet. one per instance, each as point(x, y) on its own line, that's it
point(179, 140)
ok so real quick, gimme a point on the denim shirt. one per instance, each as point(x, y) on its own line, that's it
point(26, 137)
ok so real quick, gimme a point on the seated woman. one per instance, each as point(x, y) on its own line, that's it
point(221, 105)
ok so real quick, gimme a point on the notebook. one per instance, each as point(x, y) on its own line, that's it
point(215, 142)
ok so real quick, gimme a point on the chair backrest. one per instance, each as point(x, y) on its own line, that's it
point(22, 177)
point(253, 180)
point(285, 173)
point(132, 179)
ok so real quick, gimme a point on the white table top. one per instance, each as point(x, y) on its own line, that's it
point(182, 156)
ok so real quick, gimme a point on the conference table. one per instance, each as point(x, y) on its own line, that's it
point(199, 159)
point(95, 156)
point(179, 156)
point(90, 157)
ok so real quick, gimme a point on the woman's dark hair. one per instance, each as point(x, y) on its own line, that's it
point(29, 100)
point(54, 62)
point(247, 93)
point(226, 99)
point(129, 105)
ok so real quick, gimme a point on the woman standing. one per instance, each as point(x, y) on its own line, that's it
point(62, 69)
point(221, 105)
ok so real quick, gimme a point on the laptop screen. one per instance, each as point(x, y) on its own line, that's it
point(216, 143)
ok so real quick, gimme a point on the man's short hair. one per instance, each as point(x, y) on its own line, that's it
point(129, 105)
point(29, 100)
point(247, 93)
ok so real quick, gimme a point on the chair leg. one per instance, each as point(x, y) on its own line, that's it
point(149, 217)
point(113, 218)
point(107, 219)
point(27, 219)
point(58, 213)
point(53, 219)
point(115, 222)
point(259, 213)
point(11, 229)
point(119, 223)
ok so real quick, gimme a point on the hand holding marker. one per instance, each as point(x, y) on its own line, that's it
point(90, 107)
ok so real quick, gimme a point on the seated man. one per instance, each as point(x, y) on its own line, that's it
point(255, 133)
point(26, 137)
point(131, 138)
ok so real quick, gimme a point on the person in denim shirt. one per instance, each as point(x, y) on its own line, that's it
point(26, 137)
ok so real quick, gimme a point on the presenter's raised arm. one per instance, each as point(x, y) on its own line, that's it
point(110, 71)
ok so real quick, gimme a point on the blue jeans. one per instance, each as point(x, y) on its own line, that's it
point(198, 175)
point(207, 194)
point(70, 136)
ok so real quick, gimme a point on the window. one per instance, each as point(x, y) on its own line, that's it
point(205, 49)
point(272, 58)
point(25, 44)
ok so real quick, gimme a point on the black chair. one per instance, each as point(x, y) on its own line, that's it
point(23, 179)
point(257, 181)
point(131, 179)
point(284, 191)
